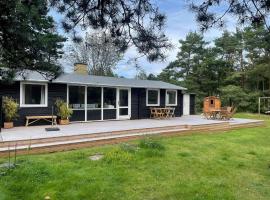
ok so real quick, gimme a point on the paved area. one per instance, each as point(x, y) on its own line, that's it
point(35, 132)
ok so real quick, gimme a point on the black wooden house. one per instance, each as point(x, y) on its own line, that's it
point(95, 97)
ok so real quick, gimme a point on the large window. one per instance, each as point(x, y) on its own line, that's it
point(109, 98)
point(76, 97)
point(171, 98)
point(93, 98)
point(152, 97)
point(33, 95)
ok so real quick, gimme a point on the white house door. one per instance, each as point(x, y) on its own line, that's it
point(124, 103)
point(186, 104)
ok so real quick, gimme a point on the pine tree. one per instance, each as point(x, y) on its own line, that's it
point(28, 40)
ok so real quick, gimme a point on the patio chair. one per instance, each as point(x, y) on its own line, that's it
point(171, 112)
point(153, 113)
point(160, 114)
point(208, 115)
point(227, 115)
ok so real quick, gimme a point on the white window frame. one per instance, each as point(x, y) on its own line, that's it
point(166, 99)
point(149, 89)
point(23, 95)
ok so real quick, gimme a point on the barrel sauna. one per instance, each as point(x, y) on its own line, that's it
point(211, 103)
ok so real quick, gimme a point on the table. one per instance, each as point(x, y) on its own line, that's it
point(212, 114)
point(161, 113)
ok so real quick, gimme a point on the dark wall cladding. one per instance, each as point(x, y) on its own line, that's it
point(109, 114)
point(93, 115)
point(139, 110)
point(78, 115)
point(192, 104)
point(54, 91)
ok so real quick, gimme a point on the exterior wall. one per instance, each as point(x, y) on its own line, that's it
point(54, 91)
point(139, 110)
point(192, 104)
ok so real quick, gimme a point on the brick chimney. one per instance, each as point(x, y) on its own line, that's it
point(80, 68)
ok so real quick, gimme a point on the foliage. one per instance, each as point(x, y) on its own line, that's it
point(211, 13)
point(10, 108)
point(62, 109)
point(235, 96)
point(129, 148)
point(98, 51)
point(28, 39)
point(151, 143)
point(235, 67)
point(129, 22)
point(117, 155)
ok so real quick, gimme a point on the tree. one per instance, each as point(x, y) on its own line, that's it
point(235, 66)
point(28, 40)
point(141, 75)
point(251, 12)
point(98, 51)
point(130, 22)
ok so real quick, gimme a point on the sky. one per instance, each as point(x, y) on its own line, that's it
point(180, 21)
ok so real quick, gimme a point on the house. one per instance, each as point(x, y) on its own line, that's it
point(95, 97)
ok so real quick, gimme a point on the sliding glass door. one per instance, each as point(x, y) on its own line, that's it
point(98, 103)
point(109, 103)
point(76, 101)
point(94, 103)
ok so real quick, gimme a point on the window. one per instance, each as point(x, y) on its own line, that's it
point(152, 97)
point(93, 98)
point(109, 98)
point(33, 95)
point(171, 97)
point(76, 95)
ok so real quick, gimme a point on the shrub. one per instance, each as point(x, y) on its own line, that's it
point(129, 148)
point(150, 143)
point(10, 109)
point(117, 155)
point(62, 109)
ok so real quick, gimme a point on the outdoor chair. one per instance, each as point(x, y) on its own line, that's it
point(153, 113)
point(208, 115)
point(160, 114)
point(171, 112)
point(226, 114)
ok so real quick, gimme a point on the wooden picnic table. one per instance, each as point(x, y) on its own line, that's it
point(212, 114)
point(223, 113)
point(162, 113)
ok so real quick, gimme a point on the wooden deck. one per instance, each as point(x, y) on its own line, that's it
point(80, 135)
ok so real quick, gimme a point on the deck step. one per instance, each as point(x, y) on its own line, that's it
point(68, 142)
point(93, 139)
point(90, 135)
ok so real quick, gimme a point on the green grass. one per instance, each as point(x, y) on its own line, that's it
point(229, 165)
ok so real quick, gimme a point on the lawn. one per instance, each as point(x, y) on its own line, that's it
point(227, 165)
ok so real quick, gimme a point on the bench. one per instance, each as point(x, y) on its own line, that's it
point(51, 119)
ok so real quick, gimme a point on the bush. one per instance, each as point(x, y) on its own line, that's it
point(117, 155)
point(129, 148)
point(62, 109)
point(150, 143)
point(245, 101)
point(10, 109)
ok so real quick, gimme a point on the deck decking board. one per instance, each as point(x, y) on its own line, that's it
point(115, 132)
